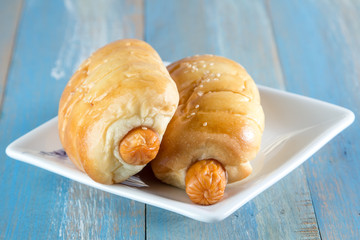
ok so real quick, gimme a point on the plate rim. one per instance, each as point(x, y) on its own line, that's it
point(345, 120)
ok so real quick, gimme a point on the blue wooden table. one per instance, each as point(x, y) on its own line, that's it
point(310, 47)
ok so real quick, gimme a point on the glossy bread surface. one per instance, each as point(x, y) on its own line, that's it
point(122, 86)
point(219, 117)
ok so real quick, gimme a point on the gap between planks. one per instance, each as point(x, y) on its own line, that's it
point(9, 21)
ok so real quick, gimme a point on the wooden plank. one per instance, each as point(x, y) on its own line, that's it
point(240, 30)
point(9, 16)
point(53, 37)
point(319, 50)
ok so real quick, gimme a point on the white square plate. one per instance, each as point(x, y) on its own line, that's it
point(295, 128)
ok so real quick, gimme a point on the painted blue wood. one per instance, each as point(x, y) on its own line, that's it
point(240, 30)
point(10, 12)
point(318, 44)
point(53, 37)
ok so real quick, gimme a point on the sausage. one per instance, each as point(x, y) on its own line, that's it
point(139, 146)
point(205, 182)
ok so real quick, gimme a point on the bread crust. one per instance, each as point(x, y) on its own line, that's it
point(121, 86)
point(219, 117)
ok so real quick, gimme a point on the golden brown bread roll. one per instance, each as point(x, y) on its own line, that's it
point(219, 120)
point(115, 109)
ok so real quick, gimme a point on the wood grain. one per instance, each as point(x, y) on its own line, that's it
point(240, 30)
point(10, 12)
point(53, 37)
point(319, 50)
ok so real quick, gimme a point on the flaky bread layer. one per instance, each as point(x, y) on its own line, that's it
point(122, 86)
point(219, 117)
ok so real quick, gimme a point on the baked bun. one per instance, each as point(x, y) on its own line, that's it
point(219, 119)
point(115, 109)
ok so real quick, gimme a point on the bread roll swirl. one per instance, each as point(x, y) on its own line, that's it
point(219, 117)
point(122, 86)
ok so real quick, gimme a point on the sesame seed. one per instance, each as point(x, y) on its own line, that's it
point(201, 85)
point(218, 74)
point(192, 114)
point(205, 124)
point(204, 66)
point(197, 106)
point(144, 128)
point(215, 79)
point(200, 93)
point(129, 75)
point(127, 44)
point(211, 64)
point(206, 71)
point(106, 60)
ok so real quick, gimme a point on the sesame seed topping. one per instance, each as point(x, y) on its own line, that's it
point(127, 44)
point(106, 60)
point(192, 114)
point(205, 124)
point(215, 79)
point(204, 66)
point(206, 71)
point(144, 128)
point(218, 74)
point(211, 64)
point(200, 93)
point(129, 75)
point(197, 106)
point(201, 85)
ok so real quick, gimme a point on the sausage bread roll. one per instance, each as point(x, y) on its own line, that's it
point(115, 109)
point(215, 131)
